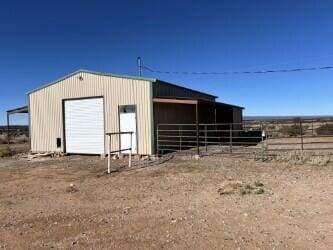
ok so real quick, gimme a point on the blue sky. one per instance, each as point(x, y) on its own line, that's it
point(41, 41)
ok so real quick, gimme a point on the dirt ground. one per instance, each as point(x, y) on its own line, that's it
point(174, 205)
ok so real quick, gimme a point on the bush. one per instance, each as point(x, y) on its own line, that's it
point(325, 129)
point(14, 139)
point(2, 140)
point(299, 157)
point(293, 130)
point(21, 139)
point(5, 152)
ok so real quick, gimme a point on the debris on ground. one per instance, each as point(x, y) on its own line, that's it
point(241, 188)
point(39, 156)
point(145, 158)
point(72, 188)
point(126, 210)
point(258, 184)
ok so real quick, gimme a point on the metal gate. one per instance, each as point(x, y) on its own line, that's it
point(258, 139)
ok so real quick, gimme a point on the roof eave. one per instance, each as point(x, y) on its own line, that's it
point(189, 89)
point(89, 72)
point(23, 109)
point(231, 105)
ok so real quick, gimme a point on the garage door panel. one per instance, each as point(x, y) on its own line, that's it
point(84, 126)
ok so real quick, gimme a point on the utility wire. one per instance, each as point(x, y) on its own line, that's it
point(306, 59)
point(236, 72)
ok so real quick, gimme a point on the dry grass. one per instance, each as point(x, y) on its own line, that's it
point(241, 188)
point(17, 139)
point(5, 152)
point(13, 149)
point(303, 157)
point(292, 130)
point(3, 139)
point(325, 129)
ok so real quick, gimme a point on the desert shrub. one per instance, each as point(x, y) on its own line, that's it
point(293, 130)
point(271, 127)
point(14, 138)
point(2, 140)
point(15, 131)
point(325, 129)
point(299, 157)
point(21, 139)
point(237, 187)
point(5, 152)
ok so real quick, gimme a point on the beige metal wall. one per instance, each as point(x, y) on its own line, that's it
point(164, 89)
point(46, 115)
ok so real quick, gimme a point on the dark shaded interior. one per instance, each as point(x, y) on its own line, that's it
point(185, 113)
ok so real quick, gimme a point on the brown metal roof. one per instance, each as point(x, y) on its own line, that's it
point(23, 109)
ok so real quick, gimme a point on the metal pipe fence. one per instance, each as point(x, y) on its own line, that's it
point(256, 138)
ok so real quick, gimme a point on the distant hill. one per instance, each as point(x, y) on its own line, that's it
point(23, 127)
point(265, 118)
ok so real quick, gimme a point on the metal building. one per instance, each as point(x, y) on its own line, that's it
point(73, 114)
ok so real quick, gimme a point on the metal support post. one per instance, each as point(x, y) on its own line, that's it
point(130, 154)
point(197, 127)
point(230, 138)
point(263, 135)
point(157, 139)
point(109, 156)
point(301, 133)
point(180, 138)
point(206, 138)
point(8, 129)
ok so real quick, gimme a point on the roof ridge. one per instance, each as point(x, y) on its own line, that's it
point(90, 72)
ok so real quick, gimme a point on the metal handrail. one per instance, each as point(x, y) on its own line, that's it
point(110, 134)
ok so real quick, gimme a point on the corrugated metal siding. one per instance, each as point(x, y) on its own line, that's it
point(46, 115)
point(163, 89)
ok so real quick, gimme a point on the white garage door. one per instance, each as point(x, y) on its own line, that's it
point(84, 126)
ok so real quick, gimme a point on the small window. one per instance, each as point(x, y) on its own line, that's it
point(127, 109)
point(58, 142)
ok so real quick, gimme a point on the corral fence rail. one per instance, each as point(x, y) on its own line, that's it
point(249, 137)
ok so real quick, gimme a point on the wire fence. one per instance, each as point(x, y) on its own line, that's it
point(258, 139)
